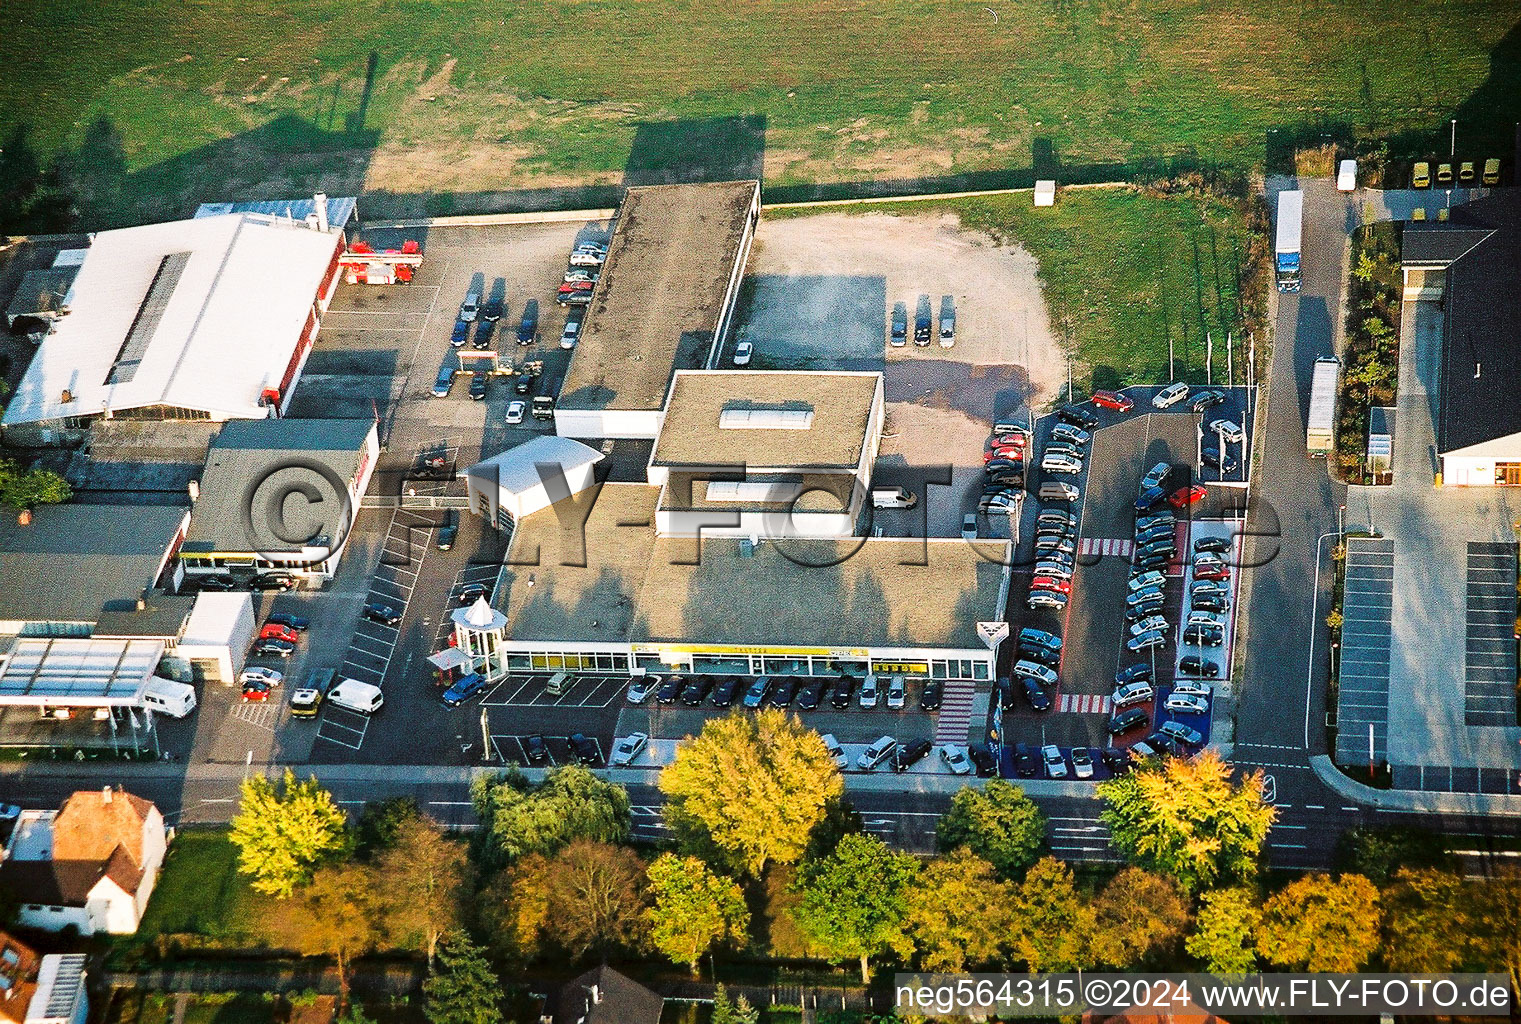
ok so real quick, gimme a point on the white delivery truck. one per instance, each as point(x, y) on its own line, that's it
point(352, 695)
point(166, 697)
point(1320, 425)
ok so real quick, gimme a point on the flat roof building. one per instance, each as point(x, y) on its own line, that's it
point(239, 522)
point(532, 476)
point(664, 301)
point(207, 318)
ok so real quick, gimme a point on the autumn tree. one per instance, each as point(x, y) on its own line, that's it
point(751, 788)
point(461, 987)
point(380, 822)
point(853, 903)
point(1497, 913)
point(1224, 938)
point(1052, 923)
point(1136, 915)
point(596, 899)
point(1320, 923)
point(335, 915)
point(1430, 924)
point(694, 909)
point(1187, 819)
point(422, 879)
point(517, 819)
point(958, 912)
point(997, 823)
point(284, 832)
point(513, 910)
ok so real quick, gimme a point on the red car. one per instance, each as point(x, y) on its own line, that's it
point(1009, 440)
point(1186, 496)
point(1051, 583)
point(1112, 400)
point(1006, 453)
point(1211, 571)
point(255, 692)
point(275, 631)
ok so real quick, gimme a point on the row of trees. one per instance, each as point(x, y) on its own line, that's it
point(763, 842)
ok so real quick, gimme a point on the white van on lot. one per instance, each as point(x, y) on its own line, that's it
point(352, 695)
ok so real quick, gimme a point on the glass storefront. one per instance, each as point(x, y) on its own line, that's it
point(744, 664)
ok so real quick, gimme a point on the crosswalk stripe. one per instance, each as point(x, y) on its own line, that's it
point(1116, 546)
point(1086, 703)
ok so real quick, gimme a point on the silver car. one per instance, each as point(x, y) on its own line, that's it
point(1187, 703)
point(628, 748)
point(1192, 687)
point(1056, 765)
point(1034, 670)
point(1170, 395)
point(1056, 462)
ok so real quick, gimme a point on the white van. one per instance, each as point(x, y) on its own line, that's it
point(352, 695)
point(558, 684)
point(1346, 176)
point(167, 697)
point(876, 753)
point(893, 497)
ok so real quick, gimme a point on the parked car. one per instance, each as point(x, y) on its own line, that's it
point(1046, 599)
point(463, 689)
point(1128, 720)
point(571, 331)
point(869, 692)
point(1193, 686)
point(255, 692)
point(1230, 430)
point(696, 691)
point(835, 751)
point(214, 581)
point(670, 690)
point(260, 674)
point(1212, 620)
point(272, 649)
point(1078, 417)
point(515, 410)
point(1116, 760)
point(1005, 693)
point(1165, 744)
point(1148, 498)
point(1146, 580)
point(923, 321)
point(1155, 518)
point(931, 694)
point(1067, 432)
point(1026, 669)
point(1156, 476)
point(1208, 603)
point(725, 692)
point(483, 334)
point(955, 759)
point(899, 333)
point(1056, 447)
point(276, 631)
point(1025, 765)
point(528, 326)
point(640, 688)
point(1187, 703)
point(1051, 583)
point(844, 689)
point(1224, 463)
point(1170, 395)
point(1195, 666)
point(1205, 400)
point(1203, 636)
point(1141, 750)
point(1145, 610)
point(1212, 571)
point(1112, 400)
point(1055, 764)
point(1186, 496)
point(478, 386)
point(586, 749)
point(1030, 637)
point(1145, 641)
point(1082, 763)
point(969, 526)
point(1056, 516)
point(1035, 695)
point(1140, 672)
point(460, 334)
point(896, 693)
point(910, 754)
point(1137, 692)
point(1059, 463)
point(628, 748)
point(296, 622)
point(875, 754)
point(983, 761)
point(782, 693)
point(742, 353)
point(947, 321)
point(1058, 490)
point(1155, 622)
point(1182, 733)
point(809, 695)
point(1053, 568)
point(492, 311)
point(273, 581)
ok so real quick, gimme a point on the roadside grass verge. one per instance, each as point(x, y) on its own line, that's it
point(1124, 271)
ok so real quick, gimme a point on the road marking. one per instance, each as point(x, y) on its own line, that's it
point(1287, 846)
point(1351, 808)
point(1314, 807)
point(1086, 703)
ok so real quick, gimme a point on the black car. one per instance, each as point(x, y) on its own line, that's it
point(782, 693)
point(1218, 545)
point(528, 327)
point(910, 754)
point(1057, 518)
point(1005, 694)
point(272, 649)
point(1140, 672)
point(725, 691)
point(273, 581)
point(670, 690)
point(483, 332)
point(1007, 477)
point(1036, 697)
point(696, 691)
point(809, 695)
point(1025, 765)
point(922, 321)
point(1203, 636)
point(929, 697)
point(214, 581)
point(523, 383)
point(382, 613)
point(1208, 603)
point(1196, 666)
point(478, 386)
point(844, 690)
point(1125, 721)
point(1166, 744)
point(1151, 534)
point(586, 749)
point(1207, 400)
point(472, 592)
point(1116, 760)
point(1044, 655)
point(1078, 417)
point(535, 749)
point(449, 532)
point(289, 621)
point(1149, 497)
point(1211, 457)
point(491, 312)
point(1155, 560)
point(1165, 546)
point(983, 761)
point(1136, 613)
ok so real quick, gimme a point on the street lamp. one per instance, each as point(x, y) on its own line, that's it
point(1453, 151)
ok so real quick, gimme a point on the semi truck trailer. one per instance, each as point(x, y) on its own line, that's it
point(1290, 230)
point(1320, 425)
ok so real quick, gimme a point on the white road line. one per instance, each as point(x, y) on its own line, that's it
point(1314, 807)
point(1286, 846)
point(1280, 825)
point(1351, 808)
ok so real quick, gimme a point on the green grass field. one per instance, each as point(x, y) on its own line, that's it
point(201, 893)
point(487, 95)
point(1122, 271)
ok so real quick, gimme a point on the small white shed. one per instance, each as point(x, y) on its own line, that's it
point(530, 477)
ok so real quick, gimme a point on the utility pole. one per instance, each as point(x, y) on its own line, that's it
point(1453, 150)
point(1172, 374)
point(1230, 361)
point(1209, 359)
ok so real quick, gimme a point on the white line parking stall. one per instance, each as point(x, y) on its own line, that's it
point(343, 727)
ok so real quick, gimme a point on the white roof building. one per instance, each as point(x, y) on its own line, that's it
point(208, 318)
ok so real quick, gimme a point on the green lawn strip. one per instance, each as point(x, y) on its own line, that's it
point(200, 892)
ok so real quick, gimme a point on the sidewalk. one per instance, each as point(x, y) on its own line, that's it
point(1414, 801)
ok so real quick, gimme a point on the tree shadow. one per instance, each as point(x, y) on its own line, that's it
point(697, 149)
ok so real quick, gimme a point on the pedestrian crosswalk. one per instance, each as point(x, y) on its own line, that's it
point(955, 715)
point(1086, 703)
point(1116, 546)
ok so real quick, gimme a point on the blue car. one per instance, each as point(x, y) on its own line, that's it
point(296, 622)
point(1149, 497)
point(461, 332)
point(464, 689)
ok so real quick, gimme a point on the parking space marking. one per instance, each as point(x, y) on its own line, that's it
point(391, 585)
point(341, 728)
point(260, 716)
point(1489, 664)
point(1363, 698)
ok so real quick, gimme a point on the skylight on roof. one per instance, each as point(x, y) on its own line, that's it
point(750, 418)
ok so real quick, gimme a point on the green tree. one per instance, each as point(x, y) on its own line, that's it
point(958, 912)
point(732, 1011)
point(1429, 921)
point(1136, 915)
point(694, 909)
point(1053, 925)
point(28, 488)
point(334, 915)
point(571, 804)
point(284, 832)
point(461, 987)
point(1187, 819)
point(380, 822)
point(422, 879)
point(1379, 853)
point(752, 788)
point(1225, 932)
point(853, 904)
point(1320, 923)
point(998, 823)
